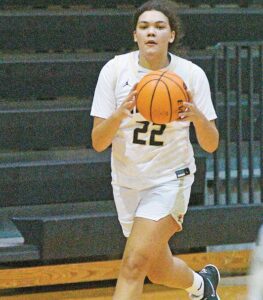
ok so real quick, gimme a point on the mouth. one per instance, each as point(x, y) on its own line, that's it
point(151, 43)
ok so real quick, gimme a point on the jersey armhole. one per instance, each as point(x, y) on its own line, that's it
point(116, 58)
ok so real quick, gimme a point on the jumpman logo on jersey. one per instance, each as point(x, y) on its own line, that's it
point(126, 83)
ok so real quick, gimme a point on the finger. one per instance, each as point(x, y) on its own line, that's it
point(190, 96)
point(133, 93)
point(134, 86)
point(185, 114)
point(188, 104)
point(184, 117)
point(130, 103)
point(132, 96)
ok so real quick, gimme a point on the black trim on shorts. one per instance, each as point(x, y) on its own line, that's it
point(182, 172)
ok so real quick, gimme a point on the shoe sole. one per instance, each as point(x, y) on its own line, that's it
point(219, 277)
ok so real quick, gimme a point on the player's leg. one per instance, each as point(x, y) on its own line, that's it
point(171, 200)
point(170, 271)
point(149, 241)
point(144, 244)
point(173, 197)
point(173, 272)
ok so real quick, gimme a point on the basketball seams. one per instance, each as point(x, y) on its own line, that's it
point(153, 95)
point(183, 90)
point(141, 89)
point(155, 73)
point(170, 100)
point(160, 83)
point(146, 84)
point(161, 75)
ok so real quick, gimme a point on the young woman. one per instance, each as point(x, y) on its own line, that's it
point(152, 180)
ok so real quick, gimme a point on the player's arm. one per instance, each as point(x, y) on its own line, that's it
point(207, 134)
point(206, 131)
point(104, 130)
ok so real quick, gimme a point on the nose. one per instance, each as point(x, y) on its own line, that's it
point(151, 31)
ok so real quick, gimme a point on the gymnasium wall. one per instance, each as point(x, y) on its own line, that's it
point(55, 193)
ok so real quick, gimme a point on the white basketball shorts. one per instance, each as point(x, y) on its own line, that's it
point(170, 198)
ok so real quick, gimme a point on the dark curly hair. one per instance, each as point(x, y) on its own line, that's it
point(169, 9)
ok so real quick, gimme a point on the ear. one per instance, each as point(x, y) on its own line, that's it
point(134, 36)
point(173, 36)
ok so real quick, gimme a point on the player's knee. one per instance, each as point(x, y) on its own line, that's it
point(155, 277)
point(134, 266)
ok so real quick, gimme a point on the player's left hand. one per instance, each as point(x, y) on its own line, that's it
point(191, 113)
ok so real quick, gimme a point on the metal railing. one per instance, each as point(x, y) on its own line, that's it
point(238, 96)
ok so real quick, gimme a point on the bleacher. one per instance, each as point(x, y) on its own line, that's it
point(55, 193)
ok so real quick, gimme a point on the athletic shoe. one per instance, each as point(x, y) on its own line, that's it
point(211, 278)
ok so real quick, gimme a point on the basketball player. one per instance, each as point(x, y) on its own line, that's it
point(153, 165)
point(255, 286)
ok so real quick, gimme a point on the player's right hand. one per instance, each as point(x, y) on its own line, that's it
point(127, 105)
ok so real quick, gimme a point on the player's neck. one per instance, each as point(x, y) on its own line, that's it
point(153, 62)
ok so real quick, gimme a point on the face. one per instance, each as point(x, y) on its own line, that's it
point(153, 33)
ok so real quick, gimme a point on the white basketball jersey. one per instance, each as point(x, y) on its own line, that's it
point(146, 154)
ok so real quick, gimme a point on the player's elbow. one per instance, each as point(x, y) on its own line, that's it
point(97, 149)
point(211, 149)
point(97, 146)
point(212, 146)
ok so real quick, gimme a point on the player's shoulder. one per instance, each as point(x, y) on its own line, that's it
point(186, 63)
point(179, 59)
point(188, 70)
point(125, 58)
point(119, 60)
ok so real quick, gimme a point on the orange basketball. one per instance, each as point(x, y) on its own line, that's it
point(160, 96)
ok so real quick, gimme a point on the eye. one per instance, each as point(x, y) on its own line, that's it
point(160, 26)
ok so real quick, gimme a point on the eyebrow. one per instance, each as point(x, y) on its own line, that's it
point(146, 22)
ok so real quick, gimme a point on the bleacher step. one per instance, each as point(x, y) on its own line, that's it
point(90, 234)
point(71, 29)
point(119, 3)
point(19, 253)
point(44, 177)
point(49, 76)
point(9, 234)
point(45, 125)
point(61, 176)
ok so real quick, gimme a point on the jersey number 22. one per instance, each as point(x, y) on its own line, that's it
point(154, 132)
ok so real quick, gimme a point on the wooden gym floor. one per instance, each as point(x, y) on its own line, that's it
point(76, 281)
point(231, 288)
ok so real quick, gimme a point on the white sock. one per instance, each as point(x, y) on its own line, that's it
point(197, 289)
